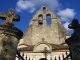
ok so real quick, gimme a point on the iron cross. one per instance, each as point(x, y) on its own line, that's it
point(45, 52)
point(10, 16)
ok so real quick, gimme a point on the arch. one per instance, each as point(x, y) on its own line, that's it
point(48, 18)
point(40, 20)
point(48, 14)
point(41, 45)
point(40, 15)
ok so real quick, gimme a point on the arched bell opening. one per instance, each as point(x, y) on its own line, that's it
point(44, 10)
point(40, 20)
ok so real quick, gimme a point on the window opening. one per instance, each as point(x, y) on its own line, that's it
point(44, 10)
point(48, 18)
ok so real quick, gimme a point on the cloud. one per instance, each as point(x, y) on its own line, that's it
point(32, 10)
point(52, 4)
point(66, 26)
point(28, 4)
point(18, 10)
point(66, 14)
point(24, 5)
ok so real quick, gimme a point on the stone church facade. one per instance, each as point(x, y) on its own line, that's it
point(42, 40)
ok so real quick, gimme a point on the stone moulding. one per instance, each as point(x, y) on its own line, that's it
point(72, 40)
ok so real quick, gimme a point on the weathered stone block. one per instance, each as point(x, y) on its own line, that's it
point(9, 36)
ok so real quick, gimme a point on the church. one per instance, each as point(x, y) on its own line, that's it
point(43, 40)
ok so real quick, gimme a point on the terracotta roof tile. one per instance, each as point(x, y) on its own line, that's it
point(29, 48)
point(54, 47)
point(59, 47)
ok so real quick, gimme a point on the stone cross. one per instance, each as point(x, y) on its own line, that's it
point(74, 41)
point(10, 16)
point(45, 52)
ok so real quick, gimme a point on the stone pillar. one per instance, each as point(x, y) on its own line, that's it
point(9, 36)
point(74, 46)
point(44, 20)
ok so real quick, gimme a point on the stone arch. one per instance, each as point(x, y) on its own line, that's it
point(40, 15)
point(41, 45)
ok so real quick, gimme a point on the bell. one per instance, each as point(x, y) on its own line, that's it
point(40, 22)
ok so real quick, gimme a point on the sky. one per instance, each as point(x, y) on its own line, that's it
point(66, 10)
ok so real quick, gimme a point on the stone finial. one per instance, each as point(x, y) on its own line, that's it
point(10, 16)
point(43, 39)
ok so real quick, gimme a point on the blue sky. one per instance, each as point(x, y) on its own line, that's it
point(66, 10)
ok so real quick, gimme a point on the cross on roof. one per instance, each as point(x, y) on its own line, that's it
point(10, 16)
